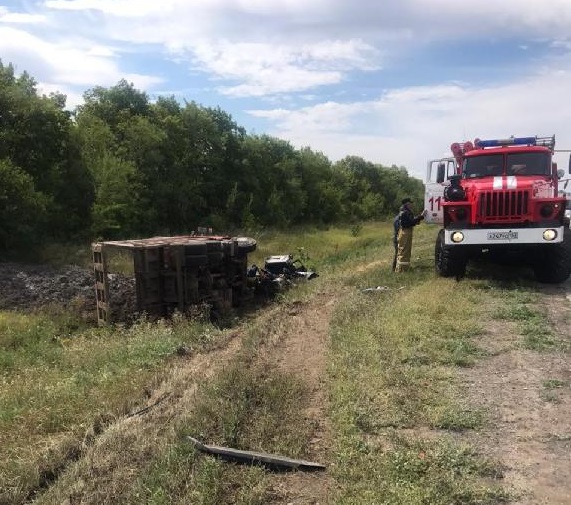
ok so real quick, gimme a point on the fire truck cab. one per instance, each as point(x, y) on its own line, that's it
point(499, 197)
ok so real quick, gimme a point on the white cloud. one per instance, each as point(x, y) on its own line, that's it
point(265, 69)
point(245, 42)
point(67, 63)
point(323, 118)
point(73, 97)
point(411, 125)
point(122, 8)
point(20, 18)
point(174, 21)
point(138, 8)
point(262, 48)
point(562, 44)
point(515, 16)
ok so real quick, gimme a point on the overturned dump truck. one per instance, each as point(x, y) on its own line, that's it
point(176, 273)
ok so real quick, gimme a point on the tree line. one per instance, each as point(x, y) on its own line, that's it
point(123, 166)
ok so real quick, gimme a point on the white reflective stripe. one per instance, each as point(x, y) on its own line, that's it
point(498, 182)
point(512, 182)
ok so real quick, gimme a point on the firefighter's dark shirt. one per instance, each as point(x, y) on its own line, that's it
point(407, 219)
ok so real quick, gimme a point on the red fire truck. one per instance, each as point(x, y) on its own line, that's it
point(500, 198)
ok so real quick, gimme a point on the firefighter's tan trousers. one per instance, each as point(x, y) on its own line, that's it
point(404, 249)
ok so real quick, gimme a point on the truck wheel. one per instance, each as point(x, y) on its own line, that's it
point(246, 245)
point(448, 261)
point(554, 265)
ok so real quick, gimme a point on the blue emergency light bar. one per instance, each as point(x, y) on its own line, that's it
point(512, 141)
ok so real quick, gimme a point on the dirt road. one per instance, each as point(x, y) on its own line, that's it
point(527, 396)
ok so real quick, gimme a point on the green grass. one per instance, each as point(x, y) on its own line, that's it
point(554, 384)
point(250, 410)
point(418, 471)
point(400, 358)
point(326, 250)
point(518, 305)
point(551, 390)
point(392, 370)
point(65, 254)
point(182, 475)
point(248, 405)
point(256, 409)
point(395, 405)
point(58, 378)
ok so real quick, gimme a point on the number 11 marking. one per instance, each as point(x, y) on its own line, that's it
point(437, 201)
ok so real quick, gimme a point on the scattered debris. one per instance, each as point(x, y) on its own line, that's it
point(25, 286)
point(215, 276)
point(279, 272)
point(271, 461)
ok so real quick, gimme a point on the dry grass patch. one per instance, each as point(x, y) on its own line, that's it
point(59, 381)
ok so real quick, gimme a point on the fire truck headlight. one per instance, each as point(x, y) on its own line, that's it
point(550, 235)
point(457, 237)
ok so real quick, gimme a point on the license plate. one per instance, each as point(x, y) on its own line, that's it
point(502, 235)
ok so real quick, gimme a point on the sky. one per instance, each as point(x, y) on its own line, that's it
point(393, 81)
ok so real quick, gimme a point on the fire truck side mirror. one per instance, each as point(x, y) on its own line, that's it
point(560, 173)
point(441, 172)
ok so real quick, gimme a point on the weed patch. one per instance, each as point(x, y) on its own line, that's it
point(416, 471)
point(392, 369)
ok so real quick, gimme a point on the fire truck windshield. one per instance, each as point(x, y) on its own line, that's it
point(528, 163)
point(483, 166)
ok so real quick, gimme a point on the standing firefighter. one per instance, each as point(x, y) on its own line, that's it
point(406, 222)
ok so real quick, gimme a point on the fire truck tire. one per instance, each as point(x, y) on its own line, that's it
point(448, 261)
point(554, 266)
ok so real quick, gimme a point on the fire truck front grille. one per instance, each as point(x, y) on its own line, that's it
point(503, 205)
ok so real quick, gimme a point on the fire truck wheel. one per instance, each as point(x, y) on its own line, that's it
point(554, 266)
point(448, 261)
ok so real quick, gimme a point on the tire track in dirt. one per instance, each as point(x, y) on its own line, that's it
point(111, 456)
point(300, 349)
point(530, 429)
point(113, 453)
